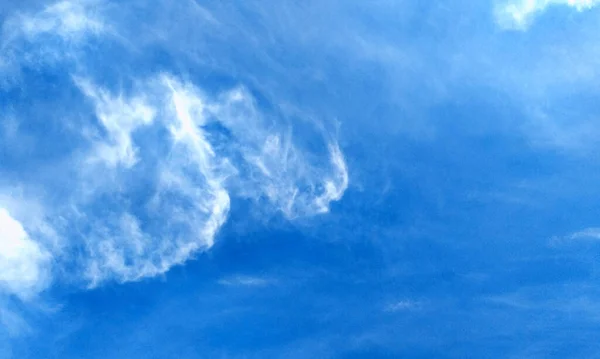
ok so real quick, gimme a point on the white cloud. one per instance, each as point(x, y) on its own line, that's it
point(24, 263)
point(518, 14)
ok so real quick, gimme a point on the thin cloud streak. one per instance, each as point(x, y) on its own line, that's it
point(245, 281)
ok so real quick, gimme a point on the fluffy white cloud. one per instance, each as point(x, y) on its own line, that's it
point(518, 14)
point(23, 262)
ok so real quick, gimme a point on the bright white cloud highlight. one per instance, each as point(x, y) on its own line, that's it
point(518, 14)
point(23, 262)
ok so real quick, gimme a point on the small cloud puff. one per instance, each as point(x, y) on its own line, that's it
point(518, 14)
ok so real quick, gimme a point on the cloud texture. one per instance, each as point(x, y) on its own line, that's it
point(149, 167)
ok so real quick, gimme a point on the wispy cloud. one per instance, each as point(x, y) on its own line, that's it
point(245, 281)
point(587, 234)
point(181, 198)
point(218, 147)
point(403, 305)
point(281, 169)
point(518, 14)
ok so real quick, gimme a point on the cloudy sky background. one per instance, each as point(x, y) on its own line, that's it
point(299, 179)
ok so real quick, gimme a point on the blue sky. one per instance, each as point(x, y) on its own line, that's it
point(299, 179)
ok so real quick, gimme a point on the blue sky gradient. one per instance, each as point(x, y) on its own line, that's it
point(299, 179)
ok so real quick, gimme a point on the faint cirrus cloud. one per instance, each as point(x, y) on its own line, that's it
point(245, 281)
